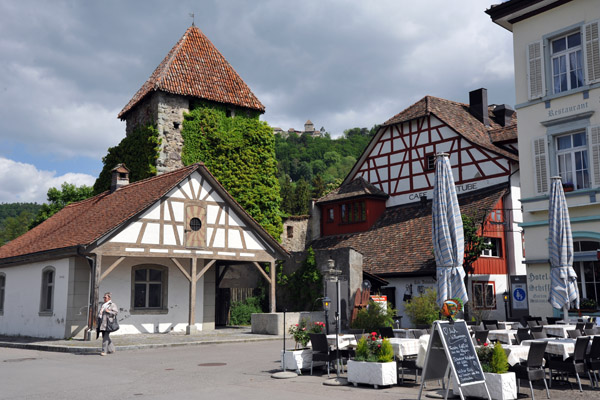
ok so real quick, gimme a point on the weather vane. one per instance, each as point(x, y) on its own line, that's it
point(192, 15)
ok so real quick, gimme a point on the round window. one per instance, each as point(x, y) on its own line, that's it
point(195, 224)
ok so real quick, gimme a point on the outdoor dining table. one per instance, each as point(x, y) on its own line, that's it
point(405, 347)
point(502, 335)
point(405, 333)
point(558, 330)
point(508, 324)
point(560, 346)
point(344, 340)
point(515, 353)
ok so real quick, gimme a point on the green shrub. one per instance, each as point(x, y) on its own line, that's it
point(499, 361)
point(423, 309)
point(374, 349)
point(241, 311)
point(373, 317)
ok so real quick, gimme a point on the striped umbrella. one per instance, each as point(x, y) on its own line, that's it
point(447, 234)
point(563, 279)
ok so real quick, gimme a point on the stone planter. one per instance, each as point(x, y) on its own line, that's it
point(501, 387)
point(297, 359)
point(372, 373)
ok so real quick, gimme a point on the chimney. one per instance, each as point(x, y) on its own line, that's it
point(478, 105)
point(119, 178)
point(503, 114)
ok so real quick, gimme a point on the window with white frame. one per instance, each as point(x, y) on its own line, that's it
point(2, 286)
point(149, 288)
point(47, 295)
point(572, 159)
point(484, 295)
point(494, 247)
point(588, 271)
point(567, 62)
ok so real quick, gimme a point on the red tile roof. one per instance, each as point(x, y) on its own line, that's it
point(194, 67)
point(358, 187)
point(457, 116)
point(399, 243)
point(82, 223)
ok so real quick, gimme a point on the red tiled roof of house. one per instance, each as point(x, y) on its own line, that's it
point(82, 223)
point(457, 116)
point(358, 187)
point(504, 134)
point(194, 67)
point(399, 243)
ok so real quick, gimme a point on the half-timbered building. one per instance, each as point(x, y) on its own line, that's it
point(382, 210)
point(163, 246)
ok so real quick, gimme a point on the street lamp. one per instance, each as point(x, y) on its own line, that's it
point(326, 307)
point(505, 297)
point(333, 275)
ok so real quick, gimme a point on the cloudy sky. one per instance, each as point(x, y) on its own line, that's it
point(68, 67)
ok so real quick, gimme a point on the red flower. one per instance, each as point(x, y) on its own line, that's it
point(378, 345)
point(373, 333)
point(485, 344)
point(296, 324)
point(373, 338)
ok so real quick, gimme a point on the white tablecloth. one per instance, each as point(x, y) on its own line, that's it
point(502, 335)
point(508, 325)
point(344, 340)
point(404, 333)
point(516, 353)
point(558, 330)
point(562, 347)
point(405, 347)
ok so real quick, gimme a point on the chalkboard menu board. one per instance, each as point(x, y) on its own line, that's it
point(451, 348)
point(462, 352)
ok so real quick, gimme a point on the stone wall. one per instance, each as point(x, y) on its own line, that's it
point(166, 111)
point(295, 233)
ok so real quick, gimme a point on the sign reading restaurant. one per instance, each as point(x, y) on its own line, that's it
point(566, 110)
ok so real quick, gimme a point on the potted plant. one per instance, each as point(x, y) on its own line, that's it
point(373, 363)
point(374, 316)
point(568, 187)
point(423, 309)
point(588, 305)
point(501, 384)
point(301, 355)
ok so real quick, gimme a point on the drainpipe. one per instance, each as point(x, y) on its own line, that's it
point(91, 303)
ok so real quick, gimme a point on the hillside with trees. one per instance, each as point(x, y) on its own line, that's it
point(309, 167)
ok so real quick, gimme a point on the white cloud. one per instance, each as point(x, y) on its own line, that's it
point(20, 182)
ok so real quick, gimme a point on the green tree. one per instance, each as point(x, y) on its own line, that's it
point(138, 151)
point(14, 227)
point(303, 287)
point(58, 199)
point(302, 198)
point(474, 245)
point(423, 309)
point(240, 153)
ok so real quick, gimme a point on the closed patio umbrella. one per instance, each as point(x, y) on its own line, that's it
point(563, 279)
point(447, 234)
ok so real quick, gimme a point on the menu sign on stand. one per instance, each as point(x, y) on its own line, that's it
point(451, 350)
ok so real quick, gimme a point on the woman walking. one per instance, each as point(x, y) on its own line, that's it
point(106, 316)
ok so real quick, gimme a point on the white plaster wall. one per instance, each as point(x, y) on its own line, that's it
point(514, 240)
point(538, 289)
point(118, 282)
point(22, 300)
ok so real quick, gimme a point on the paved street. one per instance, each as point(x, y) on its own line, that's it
point(234, 370)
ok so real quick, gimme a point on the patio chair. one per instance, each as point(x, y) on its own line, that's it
point(533, 368)
point(579, 326)
point(409, 363)
point(321, 350)
point(536, 329)
point(523, 334)
point(593, 359)
point(478, 328)
point(417, 333)
point(552, 320)
point(481, 337)
point(573, 365)
point(588, 325)
point(589, 332)
point(490, 324)
point(574, 334)
point(539, 334)
point(532, 323)
point(386, 332)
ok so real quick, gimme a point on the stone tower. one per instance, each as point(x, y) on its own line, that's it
point(193, 69)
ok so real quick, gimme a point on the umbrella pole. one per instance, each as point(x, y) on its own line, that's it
point(565, 312)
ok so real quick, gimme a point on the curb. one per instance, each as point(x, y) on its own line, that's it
point(87, 350)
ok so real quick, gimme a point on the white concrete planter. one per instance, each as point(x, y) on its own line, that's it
point(372, 373)
point(297, 359)
point(501, 387)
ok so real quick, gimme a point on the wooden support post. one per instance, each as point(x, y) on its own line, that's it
point(96, 289)
point(191, 328)
point(272, 304)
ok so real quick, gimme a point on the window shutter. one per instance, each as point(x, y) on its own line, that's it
point(540, 165)
point(594, 141)
point(592, 52)
point(535, 70)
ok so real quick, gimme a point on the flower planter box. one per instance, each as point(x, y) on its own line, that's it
point(501, 387)
point(372, 373)
point(297, 359)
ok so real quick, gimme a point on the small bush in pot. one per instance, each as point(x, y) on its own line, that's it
point(374, 349)
point(493, 359)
